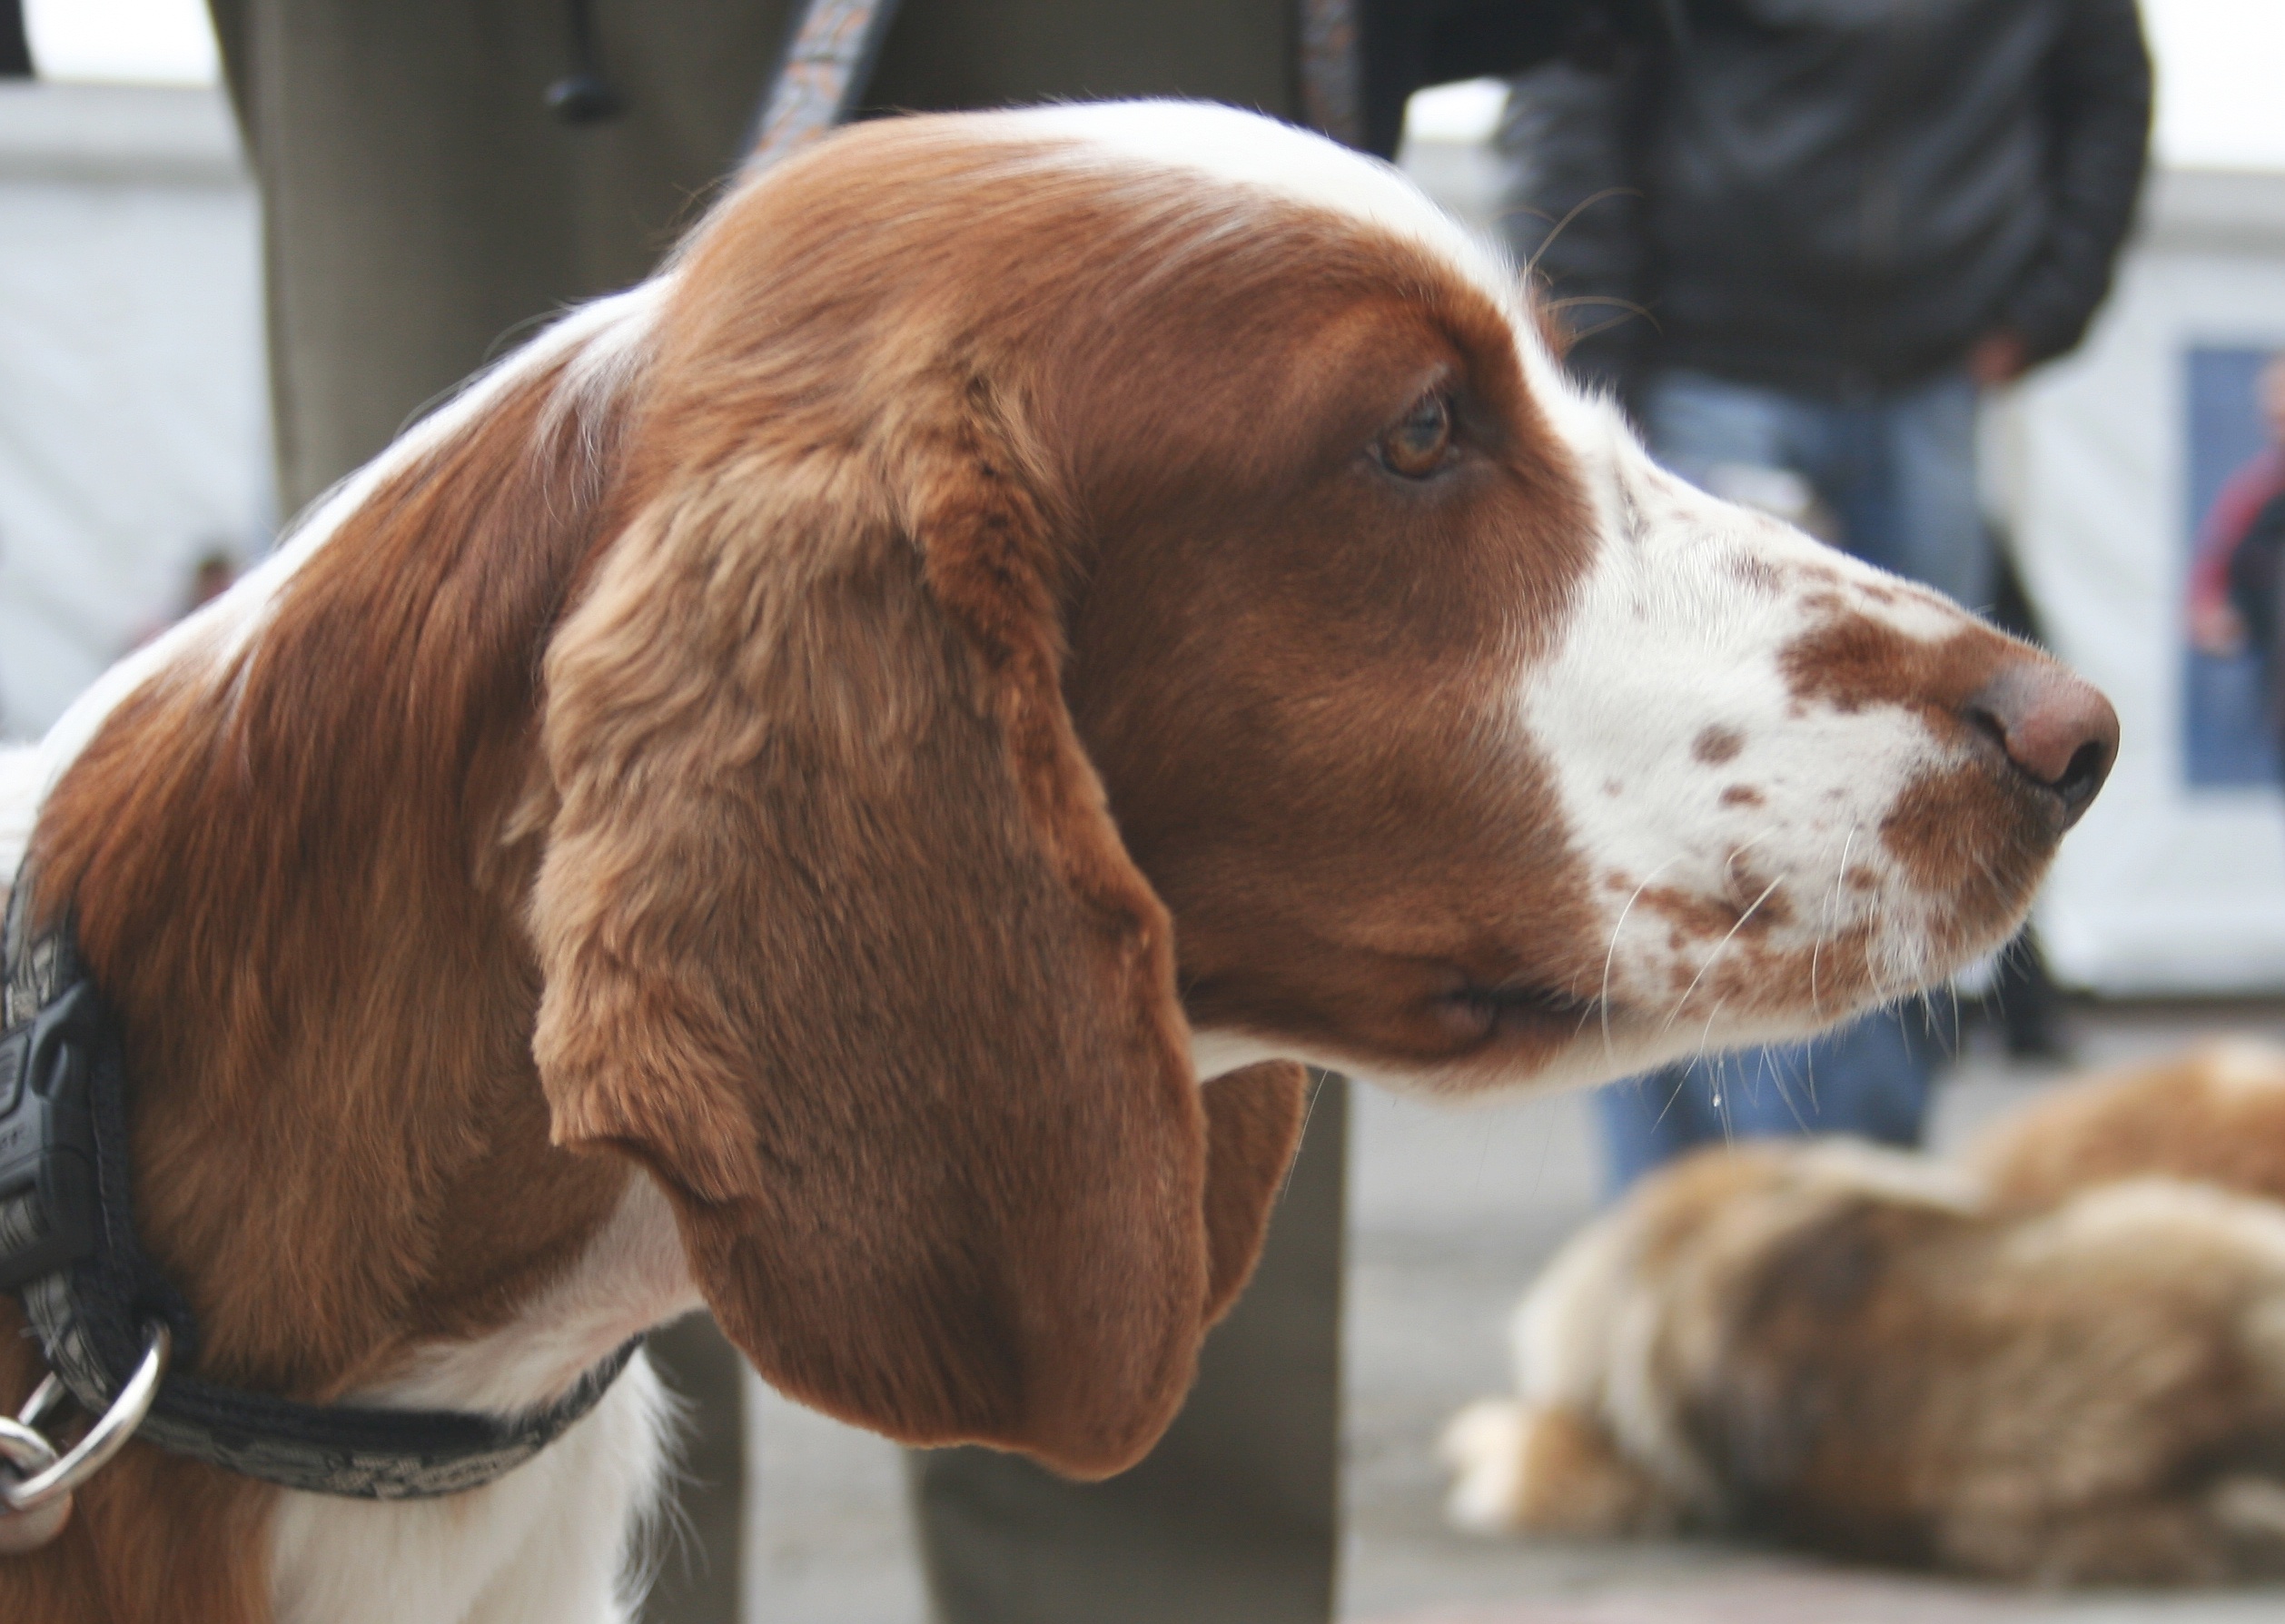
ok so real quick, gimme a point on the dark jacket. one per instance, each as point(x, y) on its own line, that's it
point(1404, 44)
point(1835, 196)
point(2256, 579)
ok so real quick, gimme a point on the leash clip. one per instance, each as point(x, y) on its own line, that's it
point(36, 1482)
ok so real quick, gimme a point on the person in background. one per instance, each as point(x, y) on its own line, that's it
point(15, 43)
point(2222, 588)
point(211, 573)
point(2236, 575)
point(440, 176)
point(1799, 244)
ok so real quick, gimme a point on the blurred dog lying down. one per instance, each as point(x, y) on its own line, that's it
point(2063, 1361)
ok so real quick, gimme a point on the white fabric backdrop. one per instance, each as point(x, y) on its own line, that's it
point(2163, 888)
point(133, 424)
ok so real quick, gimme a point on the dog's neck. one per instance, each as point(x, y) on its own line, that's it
point(299, 855)
point(631, 1277)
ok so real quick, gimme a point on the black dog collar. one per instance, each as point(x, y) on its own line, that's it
point(67, 1247)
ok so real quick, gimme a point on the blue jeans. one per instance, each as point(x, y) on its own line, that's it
point(1898, 471)
point(1869, 1078)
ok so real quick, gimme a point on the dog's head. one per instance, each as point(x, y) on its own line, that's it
point(1088, 588)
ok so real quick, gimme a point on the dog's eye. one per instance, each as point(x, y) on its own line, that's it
point(1420, 442)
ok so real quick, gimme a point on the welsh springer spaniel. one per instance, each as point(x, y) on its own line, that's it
point(777, 797)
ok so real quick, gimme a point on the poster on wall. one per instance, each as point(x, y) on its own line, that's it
point(2142, 484)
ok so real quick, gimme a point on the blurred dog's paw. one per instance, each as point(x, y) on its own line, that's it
point(1484, 1443)
point(1545, 1470)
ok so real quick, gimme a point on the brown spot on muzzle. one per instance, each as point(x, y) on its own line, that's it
point(1975, 839)
point(1852, 661)
point(1717, 745)
point(1750, 907)
point(2026, 713)
point(1758, 575)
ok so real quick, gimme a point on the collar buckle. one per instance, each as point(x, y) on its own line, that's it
point(49, 1207)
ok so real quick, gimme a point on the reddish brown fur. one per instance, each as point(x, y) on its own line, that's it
point(1248, 666)
point(772, 703)
point(1872, 1378)
point(1850, 661)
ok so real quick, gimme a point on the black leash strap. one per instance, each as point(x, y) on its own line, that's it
point(817, 84)
point(1332, 91)
point(68, 1247)
point(837, 41)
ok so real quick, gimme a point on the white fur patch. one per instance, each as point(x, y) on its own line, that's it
point(633, 1276)
point(549, 1543)
point(1484, 1445)
point(1679, 629)
point(551, 1540)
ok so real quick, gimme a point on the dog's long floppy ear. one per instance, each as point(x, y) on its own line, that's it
point(838, 939)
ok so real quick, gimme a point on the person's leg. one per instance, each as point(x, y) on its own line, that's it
point(1936, 533)
point(1232, 1519)
point(421, 204)
point(699, 1557)
point(1901, 474)
point(1869, 1078)
point(1719, 435)
point(1707, 430)
point(1649, 1119)
point(1703, 427)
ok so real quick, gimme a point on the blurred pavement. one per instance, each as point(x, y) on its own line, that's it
point(1452, 1212)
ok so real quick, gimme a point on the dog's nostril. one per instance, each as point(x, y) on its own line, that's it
point(2082, 775)
point(2056, 729)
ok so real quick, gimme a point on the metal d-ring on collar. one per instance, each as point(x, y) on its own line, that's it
point(39, 1482)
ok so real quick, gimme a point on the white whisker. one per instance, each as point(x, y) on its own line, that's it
point(1719, 947)
point(1602, 1000)
point(1831, 922)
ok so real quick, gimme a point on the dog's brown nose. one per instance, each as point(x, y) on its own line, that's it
point(2058, 730)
